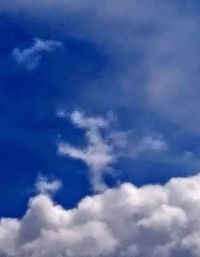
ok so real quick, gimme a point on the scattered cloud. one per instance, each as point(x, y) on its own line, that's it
point(45, 186)
point(150, 143)
point(161, 220)
point(99, 154)
point(156, 66)
point(31, 57)
point(105, 145)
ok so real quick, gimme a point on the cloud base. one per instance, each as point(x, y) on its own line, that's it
point(162, 220)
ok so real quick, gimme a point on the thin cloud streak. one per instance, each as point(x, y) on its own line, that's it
point(31, 57)
point(105, 146)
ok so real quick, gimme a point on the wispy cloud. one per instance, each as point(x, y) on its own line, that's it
point(150, 143)
point(105, 145)
point(153, 44)
point(31, 57)
point(99, 153)
point(46, 186)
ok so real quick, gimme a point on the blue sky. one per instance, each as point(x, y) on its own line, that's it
point(95, 94)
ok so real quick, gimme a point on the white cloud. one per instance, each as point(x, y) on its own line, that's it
point(99, 154)
point(125, 221)
point(30, 57)
point(105, 146)
point(45, 186)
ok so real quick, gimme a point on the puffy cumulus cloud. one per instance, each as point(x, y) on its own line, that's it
point(105, 145)
point(30, 57)
point(125, 221)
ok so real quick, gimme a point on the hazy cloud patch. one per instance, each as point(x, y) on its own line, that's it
point(31, 57)
point(105, 145)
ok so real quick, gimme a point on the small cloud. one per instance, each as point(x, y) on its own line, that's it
point(31, 57)
point(152, 143)
point(61, 113)
point(45, 186)
point(99, 152)
point(105, 145)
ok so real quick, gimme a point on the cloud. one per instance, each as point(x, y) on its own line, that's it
point(45, 186)
point(105, 145)
point(150, 143)
point(99, 153)
point(155, 68)
point(125, 221)
point(31, 57)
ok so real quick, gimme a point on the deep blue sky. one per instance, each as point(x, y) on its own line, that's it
point(97, 73)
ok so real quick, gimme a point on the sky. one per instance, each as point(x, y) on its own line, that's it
point(100, 128)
